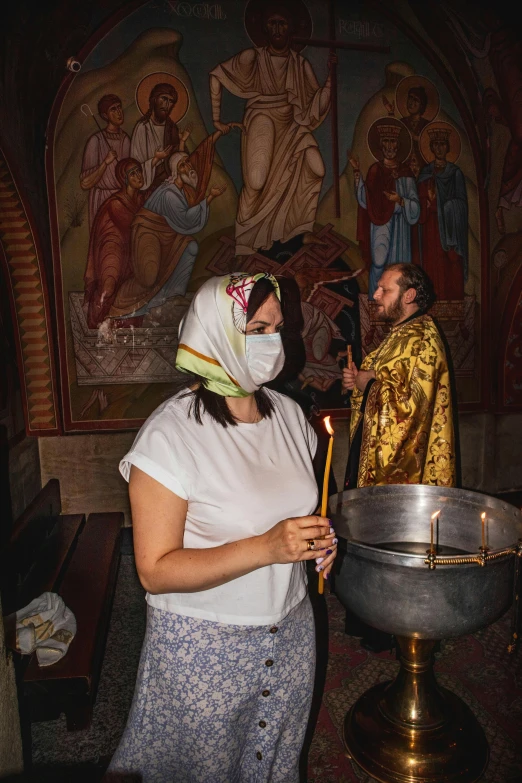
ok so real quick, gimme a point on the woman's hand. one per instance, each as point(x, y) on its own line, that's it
point(287, 542)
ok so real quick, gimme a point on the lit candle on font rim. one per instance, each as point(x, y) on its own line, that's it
point(483, 518)
point(324, 499)
point(432, 525)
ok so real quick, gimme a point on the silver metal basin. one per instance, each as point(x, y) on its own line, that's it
point(384, 579)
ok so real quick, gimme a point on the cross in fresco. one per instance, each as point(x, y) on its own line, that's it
point(333, 44)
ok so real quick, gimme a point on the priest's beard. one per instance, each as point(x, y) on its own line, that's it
point(393, 313)
point(190, 178)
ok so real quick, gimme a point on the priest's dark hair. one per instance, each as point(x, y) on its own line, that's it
point(412, 276)
point(215, 404)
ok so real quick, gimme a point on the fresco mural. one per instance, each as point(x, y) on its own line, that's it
point(173, 157)
point(486, 55)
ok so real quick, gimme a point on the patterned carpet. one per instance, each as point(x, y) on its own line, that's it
point(476, 667)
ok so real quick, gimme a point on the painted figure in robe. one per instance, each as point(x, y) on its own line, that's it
point(281, 163)
point(416, 104)
point(163, 248)
point(101, 154)
point(156, 136)
point(444, 219)
point(414, 121)
point(108, 263)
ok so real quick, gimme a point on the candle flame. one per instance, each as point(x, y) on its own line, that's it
point(435, 514)
point(328, 426)
point(483, 516)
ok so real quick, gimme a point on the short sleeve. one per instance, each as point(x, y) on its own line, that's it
point(160, 454)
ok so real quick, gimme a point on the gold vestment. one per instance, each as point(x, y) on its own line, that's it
point(408, 435)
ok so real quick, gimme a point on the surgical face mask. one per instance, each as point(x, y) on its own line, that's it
point(265, 356)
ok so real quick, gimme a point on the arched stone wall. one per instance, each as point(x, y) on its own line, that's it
point(30, 308)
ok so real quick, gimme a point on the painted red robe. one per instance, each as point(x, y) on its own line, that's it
point(108, 264)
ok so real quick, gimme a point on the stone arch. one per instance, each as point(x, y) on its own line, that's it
point(21, 259)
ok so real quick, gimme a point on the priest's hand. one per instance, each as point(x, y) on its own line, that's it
point(363, 376)
point(349, 377)
point(353, 377)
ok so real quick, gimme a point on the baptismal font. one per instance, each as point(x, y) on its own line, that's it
point(423, 563)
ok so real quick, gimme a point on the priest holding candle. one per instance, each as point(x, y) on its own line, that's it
point(401, 428)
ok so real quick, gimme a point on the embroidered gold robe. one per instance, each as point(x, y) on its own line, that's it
point(408, 433)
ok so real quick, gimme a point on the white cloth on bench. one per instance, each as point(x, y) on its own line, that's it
point(46, 625)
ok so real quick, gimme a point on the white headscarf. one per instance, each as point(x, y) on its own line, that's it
point(212, 341)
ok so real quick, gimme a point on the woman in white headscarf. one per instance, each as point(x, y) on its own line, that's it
point(223, 492)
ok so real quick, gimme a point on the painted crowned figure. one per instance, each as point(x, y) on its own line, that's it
point(388, 200)
point(282, 166)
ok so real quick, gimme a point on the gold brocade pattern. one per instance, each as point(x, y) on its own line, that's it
point(408, 433)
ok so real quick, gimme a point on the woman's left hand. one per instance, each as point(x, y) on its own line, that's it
point(325, 563)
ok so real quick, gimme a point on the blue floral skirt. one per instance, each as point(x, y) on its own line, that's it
point(218, 703)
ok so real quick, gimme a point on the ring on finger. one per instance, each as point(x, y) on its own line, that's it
point(310, 544)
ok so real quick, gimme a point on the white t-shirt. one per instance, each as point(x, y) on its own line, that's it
point(239, 482)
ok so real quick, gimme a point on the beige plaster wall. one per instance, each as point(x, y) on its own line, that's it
point(87, 468)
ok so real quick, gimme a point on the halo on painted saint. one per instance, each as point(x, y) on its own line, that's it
point(148, 82)
point(423, 85)
point(440, 131)
point(392, 128)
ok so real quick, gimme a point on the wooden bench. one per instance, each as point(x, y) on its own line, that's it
point(78, 559)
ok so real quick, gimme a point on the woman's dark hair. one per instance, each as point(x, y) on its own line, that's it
point(215, 404)
point(412, 276)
